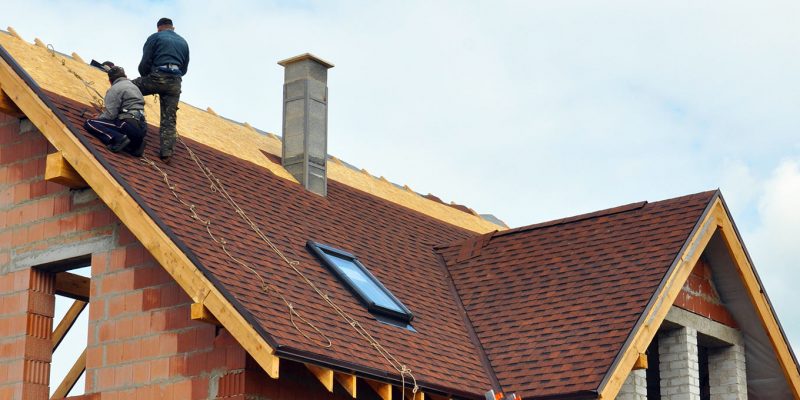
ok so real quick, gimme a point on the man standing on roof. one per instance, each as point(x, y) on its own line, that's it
point(121, 125)
point(165, 59)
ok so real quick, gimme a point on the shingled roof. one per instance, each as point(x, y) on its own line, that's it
point(553, 303)
point(548, 310)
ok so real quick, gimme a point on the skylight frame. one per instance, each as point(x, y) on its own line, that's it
point(324, 252)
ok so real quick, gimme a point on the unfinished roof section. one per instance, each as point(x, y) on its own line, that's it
point(554, 303)
point(62, 74)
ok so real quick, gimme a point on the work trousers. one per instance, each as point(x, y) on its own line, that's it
point(168, 88)
point(112, 132)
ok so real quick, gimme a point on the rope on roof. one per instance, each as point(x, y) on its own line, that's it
point(217, 186)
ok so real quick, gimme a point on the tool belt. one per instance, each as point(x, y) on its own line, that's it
point(169, 68)
point(132, 114)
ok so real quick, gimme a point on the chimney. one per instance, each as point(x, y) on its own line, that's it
point(305, 120)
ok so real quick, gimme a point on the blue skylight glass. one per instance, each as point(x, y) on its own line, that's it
point(361, 282)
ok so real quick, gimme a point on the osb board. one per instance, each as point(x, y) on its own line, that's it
point(52, 72)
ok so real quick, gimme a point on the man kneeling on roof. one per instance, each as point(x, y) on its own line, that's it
point(121, 125)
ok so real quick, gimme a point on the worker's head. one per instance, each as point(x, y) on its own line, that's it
point(164, 24)
point(115, 73)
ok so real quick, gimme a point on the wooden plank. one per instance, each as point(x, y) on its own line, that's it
point(347, 381)
point(384, 390)
point(72, 286)
point(14, 33)
point(641, 362)
point(67, 321)
point(58, 170)
point(77, 58)
point(199, 312)
point(760, 302)
point(8, 107)
point(160, 246)
point(71, 378)
point(324, 375)
point(642, 337)
point(420, 395)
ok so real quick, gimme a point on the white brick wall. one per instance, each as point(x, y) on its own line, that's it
point(635, 386)
point(679, 367)
point(727, 376)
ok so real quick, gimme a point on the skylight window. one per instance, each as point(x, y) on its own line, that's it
point(362, 283)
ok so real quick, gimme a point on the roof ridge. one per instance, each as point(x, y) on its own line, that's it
point(576, 218)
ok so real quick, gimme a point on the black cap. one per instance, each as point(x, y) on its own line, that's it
point(115, 73)
point(164, 21)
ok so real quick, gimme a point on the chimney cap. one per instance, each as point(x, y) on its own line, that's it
point(305, 56)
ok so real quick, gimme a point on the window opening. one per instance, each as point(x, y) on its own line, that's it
point(705, 384)
point(70, 333)
point(652, 372)
point(369, 290)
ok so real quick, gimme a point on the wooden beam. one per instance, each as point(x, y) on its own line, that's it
point(758, 298)
point(641, 362)
point(67, 321)
point(72, 377)
point(8, 107)
point(199, 312)
point(410, 395)
point(640, 339)
point(347, 381)
point(59, 171)
point(72, 286)
point(324, 375)
point(384, 390)
point(160, 246)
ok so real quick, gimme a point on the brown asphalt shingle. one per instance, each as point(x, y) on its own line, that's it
point(394, 242)
point(553, 303)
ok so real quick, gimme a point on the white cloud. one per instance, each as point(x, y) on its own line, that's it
point(773, 244)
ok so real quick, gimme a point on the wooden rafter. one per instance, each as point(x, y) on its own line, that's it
point(7, 105)
point(72, 377)
point(58, 170)
point(715, 220)
point(199, 312)
point(641, 362)
point(67, 321)
point(73, 286)
point(347, 381)
point(156, 241)
point(324, 375)
point(384, 390)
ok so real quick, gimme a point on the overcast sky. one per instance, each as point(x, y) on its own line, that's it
point(527, 110)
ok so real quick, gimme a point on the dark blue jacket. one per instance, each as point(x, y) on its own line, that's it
point(162, 48)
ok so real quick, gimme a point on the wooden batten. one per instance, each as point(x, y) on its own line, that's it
point(8, 107)
point(347, 381)
point(420, 395)
point(72, 377)
point(67, 321)
point(77, 58)
point(199, 312)
point(384, 390)
point(641, 362)
point(324, 375)
point(73, 286)
point(59, 171)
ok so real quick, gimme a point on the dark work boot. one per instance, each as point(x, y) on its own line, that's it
point(139, 151)
point(116, 147)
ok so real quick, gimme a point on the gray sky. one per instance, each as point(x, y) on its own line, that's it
point(527, 110)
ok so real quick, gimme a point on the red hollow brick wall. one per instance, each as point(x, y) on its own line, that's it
point(700, 296)
point(142, 343)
